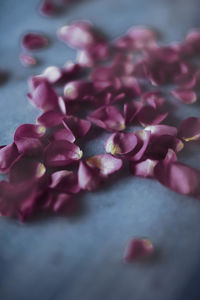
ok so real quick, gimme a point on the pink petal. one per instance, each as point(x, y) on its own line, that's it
point(27, 138)
point(65, 182)
point(88, 177)
point(50, 118)
point(186, 81)
point(27, 60)
point(154, 99)
point(35, 81)
point(64, 134)
point(33, 41)
point(52, 74)
point(142, 37)
point(185, 96)
point(79, 127)
point(143, 142)
point(44, 97)
point(90, 57)
point(131, 85)
point(144, 168)
point(8, 155)
point(190, 129)
point(108, 118)
point(150, 116)
point(61, 153)
point(105, 163)
point(138, 249)
point(64, 203)
point(120, 143)
point(158, 130)
point(48, 8)
point(131, 110)
point(78, 90)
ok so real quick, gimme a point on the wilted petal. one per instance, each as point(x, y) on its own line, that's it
point(64, 134)
point(108, 118)
point(88, 177)
point(33, 41)
point(61, 153)
point(79, 127)
point(144, 168)
point(78, 90)
point(27, 60)
point(50, 118)
point(131, 110)
point(120, 143)
point(65, 182)
point(44, 97)
point(158, 130)
point(8, 155)
point(27, 138)
point(138, 249)
point(105, 163)
point(185, 96)
point(190, 129)
point(150, 116)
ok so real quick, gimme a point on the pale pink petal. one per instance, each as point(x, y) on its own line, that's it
point(27, 60)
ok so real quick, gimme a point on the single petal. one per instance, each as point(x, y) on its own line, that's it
point(27, 60)
point(33, 41)
point(154, 99)
point(185, 96)
point(79, 127)
point(64, 203)
point(131, 110)
point(64, 134)
point(150, 116)
point(8, 155)
point(132, 85)
point(190, 129)
point(120, 143)
point(158, 130)
point(50, 118)
point(143, 137)
point(78, 90)
point(144, 168)
point(52, 74)
point(88, 177)
point(65, 182)
point(105, 163)
point(48, 8)
point(138, 249)
point(108, 118)
point(61, 153)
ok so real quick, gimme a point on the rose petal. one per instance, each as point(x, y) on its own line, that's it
point(64, 203)
point(52, 74)
point(50, 118)
point(150, 116)
point(8, 155)
point(131, 110)
point(154, 99)
point(185, 96)
point(61, 153)
point(48, 8)
point(88, 177)
point(32, 41)
point(108, 118)
point(27, 60)
point(138, 249)
point(143, 142)
point(79, 127)
point(120, 143)
point(142, 37)
point(78, 90)
point(65, 182)
point(64, 134)
point(158, 130)
point(144, 168)
point(190, 129)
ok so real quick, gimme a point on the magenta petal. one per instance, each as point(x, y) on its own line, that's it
point(150, 116)
point(78, 90)
point(50, 118)
point(27, 138)
point(44, 97)
point(144, 168)
point(48, 8)
point(138, 249)
point(158, 130)
point(142, 37)
point(178, 177)
point(64, 203)
point(105, 163)
point(190, 129)
point(132, 85)
point(88, 177)
point(61, 153)
point(33, 41)
point(154, 99)
point(143, 142)
point(35, 81)
point(79, 127)
point(120, 143)
point(27, 60)
point(65, 182)
point(52, 74)
point(131, 110)
point(64, 134)
point(108, 118)
point(185, 96)
point(8, 155)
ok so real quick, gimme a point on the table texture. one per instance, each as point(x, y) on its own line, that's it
point(81, 257)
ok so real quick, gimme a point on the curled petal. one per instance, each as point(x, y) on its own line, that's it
point(88, 177)
point(138, 249)
point(150, 116)
point(65, 182)
point(61, 153)
point(27, 138)
point(79, 127)
point(144, 168)
point(50, 118)
point(190, 129)
point(154, 99)
point(108, 118)
point(8, 155)
point(78, 90)
point(105, 163)
point(131, 110)
point(185, 96)
point(62, 105)
point(120, 143)
point(27, 60)
point(44, 97)
point(33, 41)
point(143, 142)
point(158, 130)
point(186, 81)
point(64, 134)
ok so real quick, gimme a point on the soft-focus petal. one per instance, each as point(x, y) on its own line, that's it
point(120, 143)
point(78, 90)
point(158, 130)
point(143, 142)
point(144, 168)
point(138, 249)
point(131, 110)
point(79, 127)
point(150, 116)
point(142, 37)
point(27, 60)
point(48, 8)
point(33, 41)
point(154, 99)
point(65, 182)
point(185, 96)
point(53, 74)
point(8, 155)
point(64, 203)
point(88, 177)
point(190, 129)
point(50, 118)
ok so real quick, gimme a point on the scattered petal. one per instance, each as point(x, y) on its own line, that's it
point(150, 116)
point(32, 41)
point(185, 96)
point(138, 249)
point(50, 118)
point(144, 168)
point(8, 155)
point(121, 143)
point(88, 177)
point(27, 60)
point(79, 127)
point(65, 182)
point(190, 129)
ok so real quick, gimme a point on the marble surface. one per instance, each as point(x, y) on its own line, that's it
point(81, 257)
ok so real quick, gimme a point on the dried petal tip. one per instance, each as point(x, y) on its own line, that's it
point(27, 60)
point(138, 249)
point(32, 41)
point(190, 129)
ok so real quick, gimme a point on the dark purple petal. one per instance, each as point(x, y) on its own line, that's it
point(138, 249)
point(154, 99)
point(79, 127)
point(108, 118)
point(120, 143)
point(185, 96)
point(33, 41)
point(190, 129)
point(61, 153)
point(150, 116)
point(50, 118)
point(8, 155)
point(88, 177)
point(65, 182)
point(131, 110)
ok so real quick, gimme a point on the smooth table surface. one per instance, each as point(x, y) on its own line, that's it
point(81, 257)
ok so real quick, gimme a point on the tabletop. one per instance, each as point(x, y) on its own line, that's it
point(60, 258)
